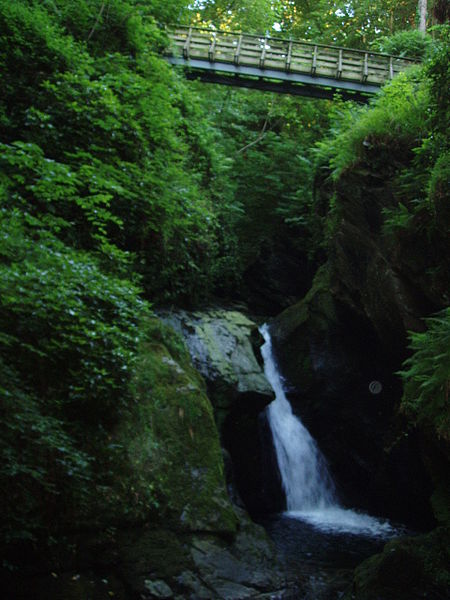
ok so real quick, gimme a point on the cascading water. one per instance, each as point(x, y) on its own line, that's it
point(309, 488)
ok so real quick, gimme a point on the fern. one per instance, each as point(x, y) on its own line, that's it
point(426, 376)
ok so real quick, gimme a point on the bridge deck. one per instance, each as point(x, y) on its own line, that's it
point(276, 64)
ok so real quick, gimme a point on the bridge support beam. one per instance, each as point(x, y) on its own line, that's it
point(269, 80)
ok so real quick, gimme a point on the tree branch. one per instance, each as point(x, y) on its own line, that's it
point(261, 134)
point(97, 20)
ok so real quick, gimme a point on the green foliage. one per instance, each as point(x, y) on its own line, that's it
point(438, 182)
point(438, 70)
point(412, 44)
point(266, 140)
point(396, 121)
point(353, 24)
point(396, 219)
point(69, 335)
point(350, 23)
point(65, 319)
point(108, 130)
point(246, 15)
point(422, 186)
point(31, 49)
point(426, 376)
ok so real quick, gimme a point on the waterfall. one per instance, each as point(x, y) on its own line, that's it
point(307, 483)
point(306, 480)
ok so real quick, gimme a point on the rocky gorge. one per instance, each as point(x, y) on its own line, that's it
point(224, 314)
point(196, 452)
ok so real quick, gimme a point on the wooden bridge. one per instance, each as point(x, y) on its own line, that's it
point(279, 65)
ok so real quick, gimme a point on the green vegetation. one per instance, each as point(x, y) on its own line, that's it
point(354, 24)
point(427, 376)
point(412, 44)
point(99, 202)
point(407, 567)
point(398, 117)
point(122, 187)
point(402, 134)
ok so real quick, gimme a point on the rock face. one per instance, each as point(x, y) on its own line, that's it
point(342, 386)
point(350, 332)
point(340, 347)
point(171, 439)
point(224, 346)
point(278, 277)
point(407, 568)
point(392, 278)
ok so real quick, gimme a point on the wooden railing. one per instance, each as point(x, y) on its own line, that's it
point(288, 56)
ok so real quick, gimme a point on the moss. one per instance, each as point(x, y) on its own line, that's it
point(291, 331)
point(157, 552)
point(316, 305)
point(440, 502)
point(407, 568)
point(172, 461)
point(438, 191)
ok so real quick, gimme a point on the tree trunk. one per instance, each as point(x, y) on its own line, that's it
point(422, 15)
point(441, 11)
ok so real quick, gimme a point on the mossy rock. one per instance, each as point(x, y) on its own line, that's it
point(317, 305)
point(221, 343)
point(224, 346)
point(408, 568)
point(291, 331)
point(171, 461)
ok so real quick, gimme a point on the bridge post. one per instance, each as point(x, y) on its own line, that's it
point(187, 44)
point(238, 51)
point(339, 66)
point(314, 61)
point(212, 47)
point(366, 68)
point(263, 54)
point(289, 57)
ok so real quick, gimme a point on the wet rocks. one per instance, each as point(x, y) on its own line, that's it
point(224, 346)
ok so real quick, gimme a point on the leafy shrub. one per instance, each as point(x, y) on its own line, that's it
point(395, 121)
point(438, 70)
point(69, 337)
point(438, 188)
point(396, 218)
point(426, 376)
point(43, 471)
point(65, 319)
point(101, 141)
point(411, 44)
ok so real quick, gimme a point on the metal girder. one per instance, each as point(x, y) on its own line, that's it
point(297, 84)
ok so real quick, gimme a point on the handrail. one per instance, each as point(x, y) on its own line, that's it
point(280, 39)
point(287, 66)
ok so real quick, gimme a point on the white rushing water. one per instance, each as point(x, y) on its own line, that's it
point(309, 488)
